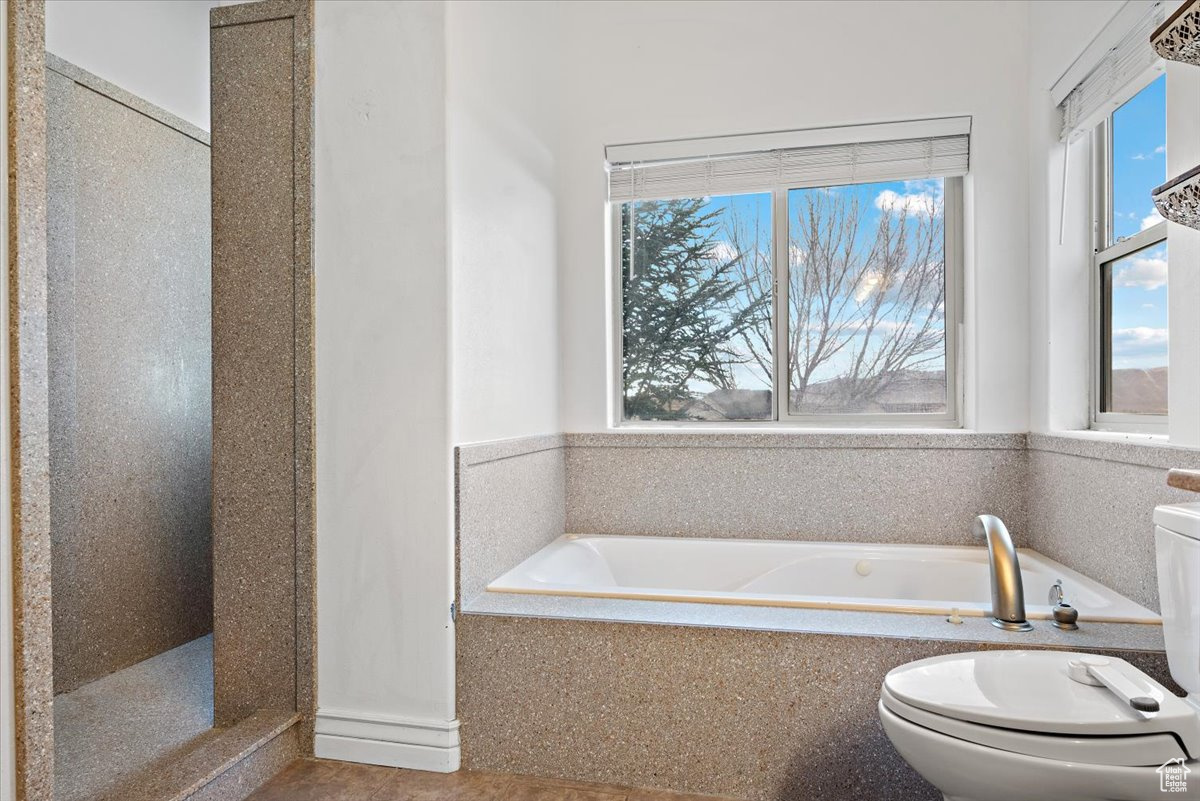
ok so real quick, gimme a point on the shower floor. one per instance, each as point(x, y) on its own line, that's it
point(120, 724)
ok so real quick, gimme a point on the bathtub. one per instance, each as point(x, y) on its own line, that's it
point(917, 579)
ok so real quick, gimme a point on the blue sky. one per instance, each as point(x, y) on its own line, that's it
point(751, 214)
point(1139, 296)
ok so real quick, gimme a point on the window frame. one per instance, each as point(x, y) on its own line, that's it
point(954, 211)
point(1104, 255)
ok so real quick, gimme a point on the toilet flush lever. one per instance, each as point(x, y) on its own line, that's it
point(1099, 672)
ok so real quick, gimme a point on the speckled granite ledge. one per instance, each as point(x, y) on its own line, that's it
point(495, 450)
point(800, 439)
point(1120, 636)
point(208, 761)
point(1136, 450)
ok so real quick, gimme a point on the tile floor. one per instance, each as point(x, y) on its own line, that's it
point(324, 780)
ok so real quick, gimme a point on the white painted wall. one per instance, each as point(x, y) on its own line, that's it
point(500, 118)
point(741, 67)
point(384, 499)
point(1060, 274)
point(157, 49)
point(1183, 255)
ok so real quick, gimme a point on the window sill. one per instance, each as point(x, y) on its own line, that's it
point(1105, 435)
point(1147, 450)
point(778, 427)
point(798, 438)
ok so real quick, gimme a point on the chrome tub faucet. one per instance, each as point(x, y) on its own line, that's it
point(1008, 594)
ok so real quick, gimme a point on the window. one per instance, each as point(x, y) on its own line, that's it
point(1130, 270)
point(805, 302)
point(698, 312)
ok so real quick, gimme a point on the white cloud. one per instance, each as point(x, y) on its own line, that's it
point(1151, 219)
point(1148, 273)
point(723, 252)
point(1158, 151)
point(871, 282)
point(1139, 340)
point(914, 203)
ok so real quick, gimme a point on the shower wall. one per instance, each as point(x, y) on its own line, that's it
point(129, 263)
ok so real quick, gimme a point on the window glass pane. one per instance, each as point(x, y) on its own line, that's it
point(1135, 359)
point(1139, 160)
point(866, 299)
point(697, 336)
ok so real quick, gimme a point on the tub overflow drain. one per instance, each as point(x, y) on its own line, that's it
point(863, 567)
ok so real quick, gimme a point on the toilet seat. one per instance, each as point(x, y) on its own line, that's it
point(965, 771)
point(1128, 750)
point(1025, 702)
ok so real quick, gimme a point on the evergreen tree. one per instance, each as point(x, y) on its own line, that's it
point(685, 304)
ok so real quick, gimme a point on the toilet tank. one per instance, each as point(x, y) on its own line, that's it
point(1177, 545)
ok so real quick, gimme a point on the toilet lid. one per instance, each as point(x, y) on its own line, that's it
point(1032, 691)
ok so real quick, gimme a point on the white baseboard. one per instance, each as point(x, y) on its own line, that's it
point(397, 742)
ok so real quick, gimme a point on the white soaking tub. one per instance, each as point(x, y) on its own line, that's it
point(918, 579)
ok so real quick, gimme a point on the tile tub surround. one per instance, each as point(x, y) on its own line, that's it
point(751, 714)
point(130, 377)
point(1091, 505)
point(515, 496)
point(1084, 500)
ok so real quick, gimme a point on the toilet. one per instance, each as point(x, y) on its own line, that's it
point(1037, 725)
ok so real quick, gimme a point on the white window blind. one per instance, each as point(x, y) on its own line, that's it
point(737, 164)
point(1124, 69)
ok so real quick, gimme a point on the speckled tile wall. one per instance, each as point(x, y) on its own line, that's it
point(509, 504)
point(130, 377)
point(751, 714)
point(1091, 507)
point(33, 688)
point(292, 676)
point(912, 488)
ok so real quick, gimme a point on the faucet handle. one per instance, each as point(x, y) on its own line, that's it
point(1056, 593)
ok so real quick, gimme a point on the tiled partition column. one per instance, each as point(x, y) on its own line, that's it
point(33, 691)
point(262, 358)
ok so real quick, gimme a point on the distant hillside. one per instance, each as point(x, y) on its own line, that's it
point(1134, 391)
point(911, 391)
point(1140, 391)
